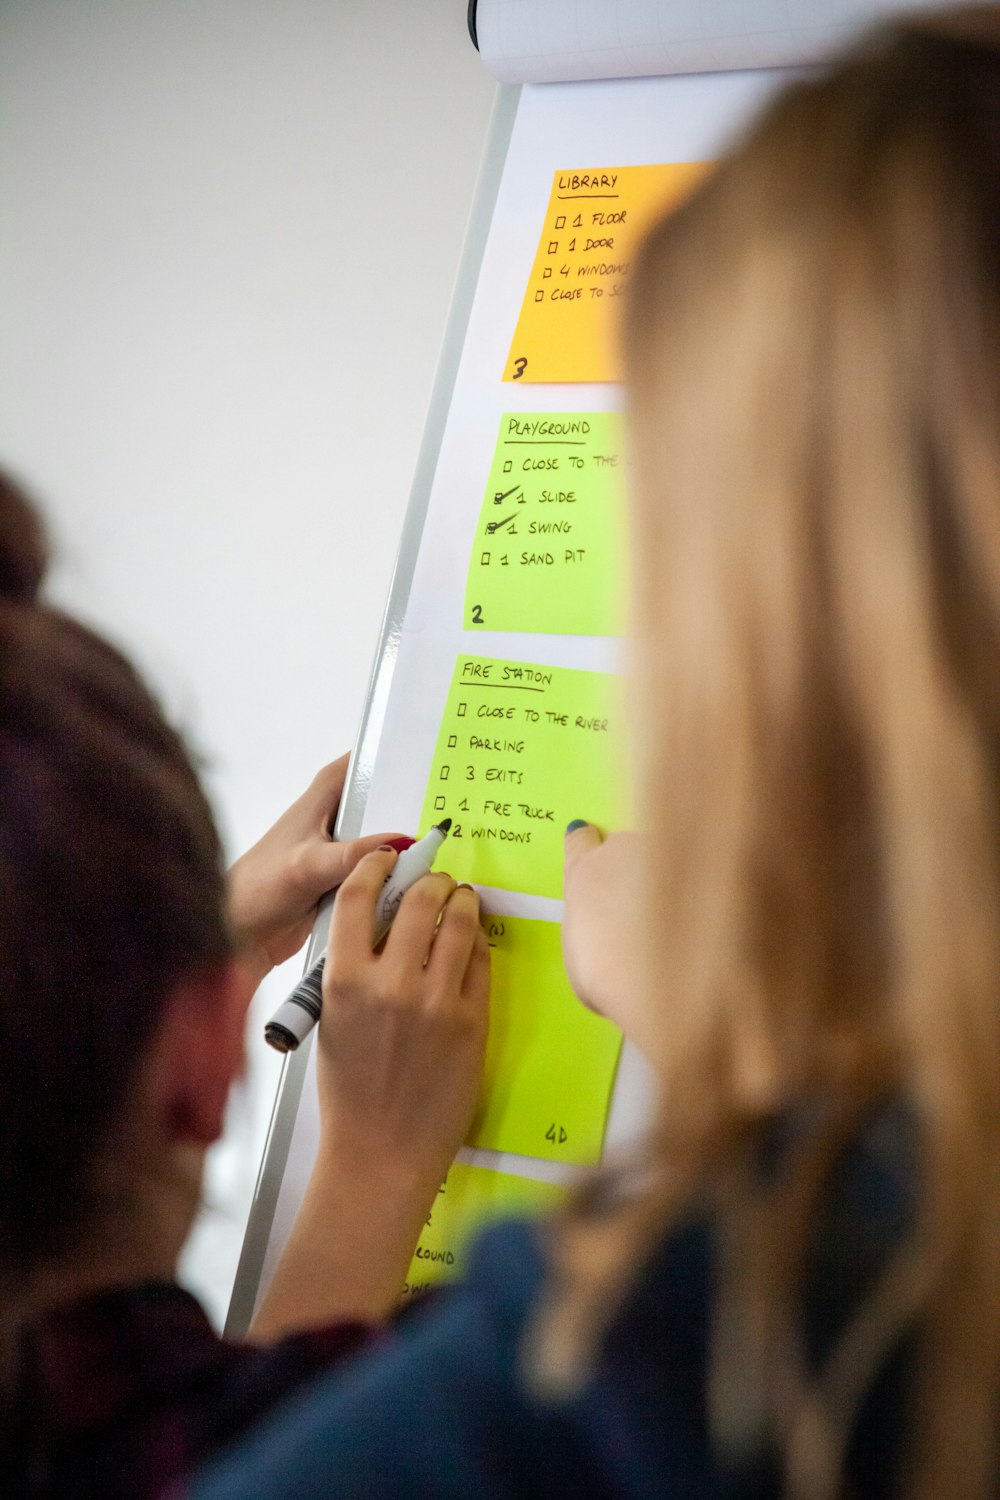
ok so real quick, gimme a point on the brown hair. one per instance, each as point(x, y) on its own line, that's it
point(111, 891)
point(813, 351)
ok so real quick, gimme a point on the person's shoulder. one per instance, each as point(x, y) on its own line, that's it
point(123, 1389)
point(437, 1409)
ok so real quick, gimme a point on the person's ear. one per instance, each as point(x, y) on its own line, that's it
point(198, 1053)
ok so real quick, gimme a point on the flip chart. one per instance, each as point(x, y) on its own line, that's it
point(522, 750)
point(449, 699)
point(469, 1198)
point(594, 222)
point(548, 550)
point(550, 1062)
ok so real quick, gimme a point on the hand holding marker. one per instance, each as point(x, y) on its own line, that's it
point(296, 1016)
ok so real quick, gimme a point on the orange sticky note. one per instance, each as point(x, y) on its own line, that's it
point(593, 225)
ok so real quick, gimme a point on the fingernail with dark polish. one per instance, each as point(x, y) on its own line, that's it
point(577, 823)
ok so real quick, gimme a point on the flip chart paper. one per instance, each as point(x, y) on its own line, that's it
point(550, 1062)
point(567, 328)
point(523, 750)
point(469, 1199)
point(548, 551)
point(543, 41)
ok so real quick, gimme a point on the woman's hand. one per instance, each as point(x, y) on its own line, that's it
point(599, 932)
point(275, 887)
point(403, 1032)
point(399, 1067)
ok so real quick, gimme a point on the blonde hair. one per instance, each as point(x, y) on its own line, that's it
point(813, 352)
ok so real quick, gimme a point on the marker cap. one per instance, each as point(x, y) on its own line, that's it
point(290, 1025)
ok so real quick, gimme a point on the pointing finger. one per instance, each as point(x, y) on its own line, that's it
point(580, 839)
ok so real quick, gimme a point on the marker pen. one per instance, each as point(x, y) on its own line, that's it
point(296, 1016)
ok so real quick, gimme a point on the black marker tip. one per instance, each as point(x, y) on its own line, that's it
point(444, 825)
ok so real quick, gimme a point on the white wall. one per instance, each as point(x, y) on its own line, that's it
point(229, 234)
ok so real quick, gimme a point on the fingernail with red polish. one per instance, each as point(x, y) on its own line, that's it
point(398, 844)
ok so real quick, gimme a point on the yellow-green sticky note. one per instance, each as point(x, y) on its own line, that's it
point(550, 1062)
point(468, 1200)
point(548, 551)
point(522, 751)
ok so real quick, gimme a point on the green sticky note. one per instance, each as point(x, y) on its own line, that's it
point(468, 1200)
point(522, 751)
point(549, 545)
point(550, 1062)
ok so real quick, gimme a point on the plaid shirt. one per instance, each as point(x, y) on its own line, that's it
point(120, 1393)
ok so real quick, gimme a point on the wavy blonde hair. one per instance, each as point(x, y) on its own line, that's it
point(813, 356)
